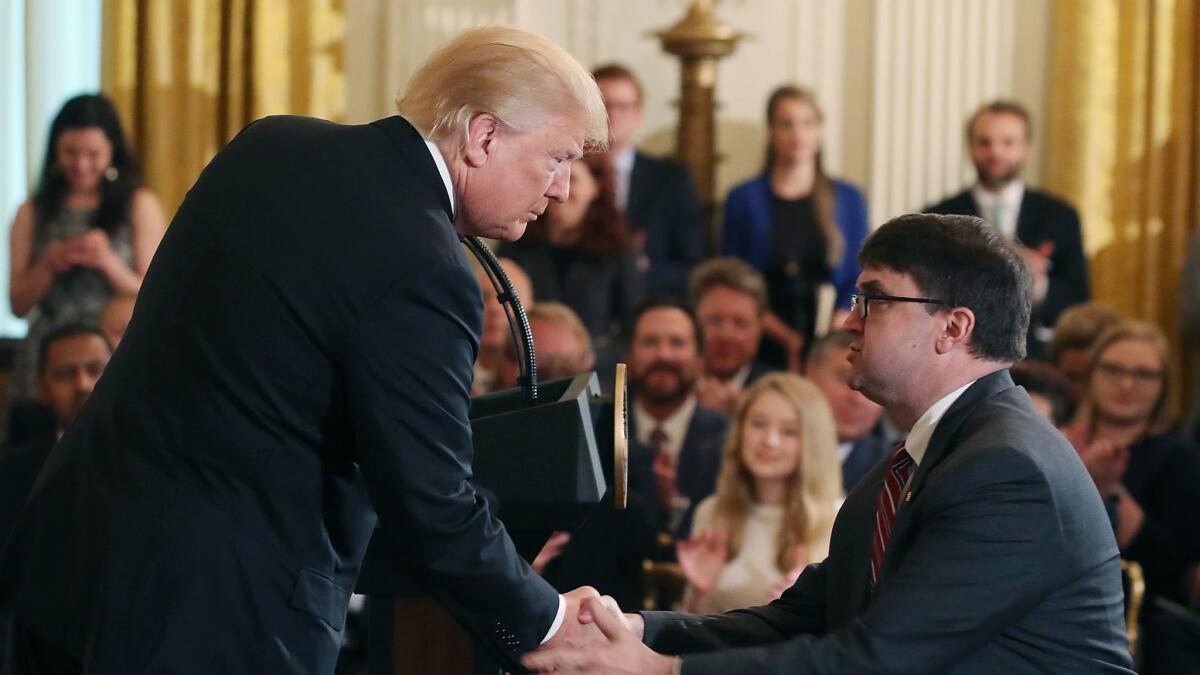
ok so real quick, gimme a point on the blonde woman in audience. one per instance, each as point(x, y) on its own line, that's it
point(778, 491)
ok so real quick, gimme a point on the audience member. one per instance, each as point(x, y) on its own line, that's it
point(999, 137)
point(1047, 388)
point(1070, 348)
point(495, 365)
point(655, 194)
point(579, 254)
point(777, 495)
point(70, 361)
point(730, 298)
point(677, 442)
point(854, 415)
point(796, 225)
point(1147, 473)
point(115, 318)
point(87, 232)
point(563, 345)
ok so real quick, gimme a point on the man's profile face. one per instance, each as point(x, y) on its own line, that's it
point(895, 341)
point(514, 175)
point(732, 330)
point(73, 365)
point(999, 148)
point(663, 356)
point(624, 109)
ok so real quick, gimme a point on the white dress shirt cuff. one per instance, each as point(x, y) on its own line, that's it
point(558, 619)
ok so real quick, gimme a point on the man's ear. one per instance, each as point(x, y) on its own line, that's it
point(481, 137)
point(957, 330)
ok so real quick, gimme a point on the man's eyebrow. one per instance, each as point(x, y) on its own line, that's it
point(871, 287)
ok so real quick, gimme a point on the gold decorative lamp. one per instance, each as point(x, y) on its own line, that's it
point(699, 40)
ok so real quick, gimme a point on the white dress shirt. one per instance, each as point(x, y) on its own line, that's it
point(922, 431)
point(622, 172)
point(1002, 208)
point(675, 426)
point(444, 171)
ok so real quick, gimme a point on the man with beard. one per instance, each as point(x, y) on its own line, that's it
point(730, 298)
point(1047, 228)
point(674, 461)
point(855, 415)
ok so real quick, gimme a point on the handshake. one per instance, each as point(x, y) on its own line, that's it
point(595, 637)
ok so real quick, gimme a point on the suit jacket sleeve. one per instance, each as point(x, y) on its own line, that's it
point(1068, 278)
point(687, 242)
point(852, 220)
point(735, 228)
point(982, 559)
point(408, 380)
point(800, 610)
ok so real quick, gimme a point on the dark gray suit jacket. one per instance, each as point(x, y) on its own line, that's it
point(299, 362)
point(1002, 561)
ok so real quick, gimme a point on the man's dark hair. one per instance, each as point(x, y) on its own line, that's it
point(964, 262)
point(1002, 108)
point(1039, 377)
point(666, 302)
point(823, 347)
point(62, 333)
point(617, 71)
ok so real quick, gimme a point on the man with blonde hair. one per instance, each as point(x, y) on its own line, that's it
point(297, 367)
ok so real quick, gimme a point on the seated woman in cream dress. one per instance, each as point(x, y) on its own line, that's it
point(779, 489)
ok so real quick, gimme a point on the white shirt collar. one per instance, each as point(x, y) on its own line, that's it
point(922, 431)
point(739, 378)
point(1009, 198)
point(623, 162)
point(675, 426)
point(443, 170)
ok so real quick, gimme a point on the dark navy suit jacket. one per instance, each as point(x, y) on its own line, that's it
point(1001, 560)
point(299, 362)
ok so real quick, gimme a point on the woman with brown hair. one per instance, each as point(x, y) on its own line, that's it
point(795, 224)
point(1147, 473)
point(778, 491)
point(579, 253)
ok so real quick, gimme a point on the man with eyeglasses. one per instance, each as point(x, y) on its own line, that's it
point(978, 545)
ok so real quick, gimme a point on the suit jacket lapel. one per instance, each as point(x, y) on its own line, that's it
point(637, 191)
point(1027, 218)
point(860, 507)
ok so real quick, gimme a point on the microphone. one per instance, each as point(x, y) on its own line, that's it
point(548, 453)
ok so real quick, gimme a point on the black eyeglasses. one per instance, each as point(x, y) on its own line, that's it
point(860, 303)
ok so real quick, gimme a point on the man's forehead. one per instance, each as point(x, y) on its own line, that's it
point(881, 279)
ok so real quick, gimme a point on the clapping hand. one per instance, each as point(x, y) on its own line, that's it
point(620, 652)
point(702, 558)
point(94, 249)
point(799, 559)
point(1105, 462)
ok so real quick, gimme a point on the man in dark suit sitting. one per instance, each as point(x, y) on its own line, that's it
point(656, 194)
point(298, 366)
point(855, 415)
point(70, 360)
point(1047, 228)
point(677, 442)
point(980, 546)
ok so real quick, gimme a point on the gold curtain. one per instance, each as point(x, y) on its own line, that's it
point(1123, 145)
point(187, 75)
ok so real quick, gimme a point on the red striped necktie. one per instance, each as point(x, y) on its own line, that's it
point(885, 513)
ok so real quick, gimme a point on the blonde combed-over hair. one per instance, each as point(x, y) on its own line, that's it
point(522, 78)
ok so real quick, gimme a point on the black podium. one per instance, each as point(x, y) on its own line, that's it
point(542, 466)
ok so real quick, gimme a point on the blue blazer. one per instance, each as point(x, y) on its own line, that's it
point(749, 226)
